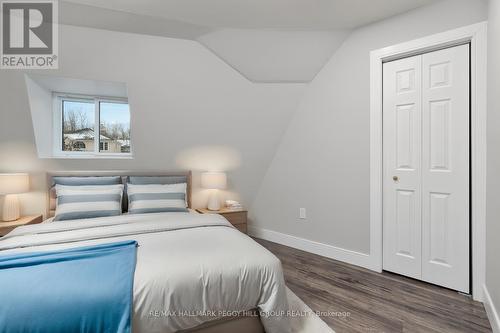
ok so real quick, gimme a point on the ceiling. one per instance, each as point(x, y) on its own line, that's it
point(265, 14)
point(274, 56)
point(266, 41)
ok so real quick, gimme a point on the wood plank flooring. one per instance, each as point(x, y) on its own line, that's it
point(376, 302)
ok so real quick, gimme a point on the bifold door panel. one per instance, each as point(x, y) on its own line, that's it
point(402, 173)
point(426, 167)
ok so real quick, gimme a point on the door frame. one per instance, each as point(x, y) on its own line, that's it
point(476, 35)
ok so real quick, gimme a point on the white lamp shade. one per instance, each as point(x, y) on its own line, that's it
point(214, 180)
point(14, 183)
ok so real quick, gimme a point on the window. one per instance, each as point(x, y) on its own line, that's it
point(79, 118)
point(115, 126)
point(79, 145)
point(103, 146)
point(77, 125)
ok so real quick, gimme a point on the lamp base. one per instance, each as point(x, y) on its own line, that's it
point(11, 208)
point(213, 200)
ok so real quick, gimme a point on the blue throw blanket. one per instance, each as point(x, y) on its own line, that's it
point(85, 289)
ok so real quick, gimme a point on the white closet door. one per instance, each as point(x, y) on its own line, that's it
point(445, 168)
point(402, 175)
point(426, 167)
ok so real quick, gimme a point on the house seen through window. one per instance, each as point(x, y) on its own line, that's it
point(82, 118)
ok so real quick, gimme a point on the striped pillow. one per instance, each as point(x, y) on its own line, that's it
point(144, 180)
point(82, 202)
point(79, 181)
point(155, 198)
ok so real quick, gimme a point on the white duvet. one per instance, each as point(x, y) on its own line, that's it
point(191, 268)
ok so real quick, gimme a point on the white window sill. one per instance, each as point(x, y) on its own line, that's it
point(88, 156)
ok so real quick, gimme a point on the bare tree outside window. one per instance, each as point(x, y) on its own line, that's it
point(79, 120)
point(78, 125)
point(114, 127)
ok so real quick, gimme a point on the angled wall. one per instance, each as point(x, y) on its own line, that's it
point(189, 110)
point(322, 162)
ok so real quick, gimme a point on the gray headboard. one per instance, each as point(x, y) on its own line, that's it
point(51, 204)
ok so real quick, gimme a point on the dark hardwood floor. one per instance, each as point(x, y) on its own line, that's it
point(376, 302)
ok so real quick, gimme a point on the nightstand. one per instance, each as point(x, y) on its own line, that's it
point(6, 227)
point(237, 217)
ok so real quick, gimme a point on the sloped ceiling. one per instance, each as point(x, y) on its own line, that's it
point(265, 14)
point(274, 56)
point(264, 40)
point(77, 14)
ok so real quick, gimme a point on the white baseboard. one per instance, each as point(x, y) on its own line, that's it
point(491, 311)
point(333, 252)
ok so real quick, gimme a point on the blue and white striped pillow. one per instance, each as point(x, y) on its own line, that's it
point(80, 181)
point(81, 202)
point(156, 198)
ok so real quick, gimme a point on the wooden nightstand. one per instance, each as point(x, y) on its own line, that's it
point(6, 227)
point(237, 217)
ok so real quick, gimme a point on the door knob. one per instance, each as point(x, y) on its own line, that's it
point(395, 178)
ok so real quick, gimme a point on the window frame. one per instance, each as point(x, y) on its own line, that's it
point(58, 99)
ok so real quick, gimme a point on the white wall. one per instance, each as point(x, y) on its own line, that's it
point(192, 110)
point(40, 102)
point(183, 100)
point(322, 163)
point(493, 175)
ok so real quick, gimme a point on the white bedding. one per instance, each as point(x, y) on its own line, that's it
point(190, 267)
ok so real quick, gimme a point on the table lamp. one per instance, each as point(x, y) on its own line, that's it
point(214, 181)
point(12, 184)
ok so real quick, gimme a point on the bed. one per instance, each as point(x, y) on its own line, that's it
point(186, 262)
